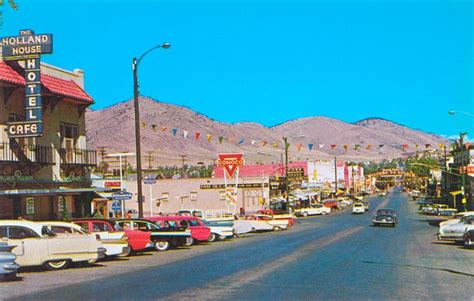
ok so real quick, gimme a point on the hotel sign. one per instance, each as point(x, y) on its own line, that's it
point(28, 47)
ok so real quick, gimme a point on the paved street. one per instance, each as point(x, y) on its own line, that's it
point(340, 256)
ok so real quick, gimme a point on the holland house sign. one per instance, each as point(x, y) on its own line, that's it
point(28, 47)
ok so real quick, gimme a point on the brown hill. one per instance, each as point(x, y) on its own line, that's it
point(113, 128)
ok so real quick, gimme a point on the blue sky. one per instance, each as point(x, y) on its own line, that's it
point(271, 61)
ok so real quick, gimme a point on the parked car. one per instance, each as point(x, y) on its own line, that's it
point(199, 232)
point(8, 266)
point(456, 218)
point(456, 231)
point(260, 221)
point(384, 219)
point(73, 230)
point(279, 215)
point(316, 209)
point(137, 240)
point(210, 217)
point(242, 226)
point(162, 237)
point(358, 208)
point(332, 203)
point(37, 245)
point(468, 238)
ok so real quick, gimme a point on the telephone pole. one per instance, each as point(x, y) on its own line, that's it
point(183, 159)
point(149, 157)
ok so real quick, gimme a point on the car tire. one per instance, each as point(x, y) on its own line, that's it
point(54, 265)
point(189, 241)
point(221, 238)
point(162, 245)
point(305, 214)
point(276, 228)
point(212, 237)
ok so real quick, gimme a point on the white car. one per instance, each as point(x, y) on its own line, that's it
point(219, 232)
point(358, 208)
point(37, 245)
point(456, 231)
point(456, 218)
point(316, 209)
point(263, 222)
point(242, 226)
point(73, 230)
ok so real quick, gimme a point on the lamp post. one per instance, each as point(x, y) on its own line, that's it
point(135, 63)
point(120, 155)
point(465, 113)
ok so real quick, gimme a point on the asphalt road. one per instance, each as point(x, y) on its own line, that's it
point(340, 256)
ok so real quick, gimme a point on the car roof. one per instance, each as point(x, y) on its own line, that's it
point(23, 223)
point(171, 217)
point(61, 224)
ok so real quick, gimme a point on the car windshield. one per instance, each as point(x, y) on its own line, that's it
point(194, 223)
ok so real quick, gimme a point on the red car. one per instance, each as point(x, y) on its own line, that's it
point(199, 232)
point(137, 240)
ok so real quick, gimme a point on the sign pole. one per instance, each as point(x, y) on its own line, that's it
point(121, 187)
point(151, 203)
point(236, 189)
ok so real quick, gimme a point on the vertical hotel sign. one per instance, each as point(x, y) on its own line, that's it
point(28, 47)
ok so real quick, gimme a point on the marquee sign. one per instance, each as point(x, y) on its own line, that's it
point(230, 162)
point(28, 47)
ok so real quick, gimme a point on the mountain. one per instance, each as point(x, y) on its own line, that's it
point(113, 128)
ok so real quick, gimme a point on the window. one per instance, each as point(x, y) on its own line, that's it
point(12, 117)
point(3, 232)
point(20, 233)
point(141, 226)
point(59, 229)
point(84, 226)
point(69, 134)
point(101, 227)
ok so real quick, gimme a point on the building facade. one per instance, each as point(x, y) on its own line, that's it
point(45, 177)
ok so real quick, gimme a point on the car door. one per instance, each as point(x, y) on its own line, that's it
point(30, 249)
point(68, 243)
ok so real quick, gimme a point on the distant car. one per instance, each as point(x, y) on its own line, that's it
point(384, 219)
point(8, 266)
point(468, 238)
point(358, 208)
point(260, 222)
point(387, 211)
point(37, 245)
point(383, 193)
point(332, 203)
point(199, 232)
point(316, 209)
point(163, 238)
point(456, 231)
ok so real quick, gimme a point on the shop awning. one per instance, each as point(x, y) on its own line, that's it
point(50, 191)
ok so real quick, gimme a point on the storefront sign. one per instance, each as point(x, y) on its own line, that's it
point(112, 184)
point(30, 205)
point(28, 47)
point(230, 162)
point(122, 196)
point(296, 174)
point(242, 185)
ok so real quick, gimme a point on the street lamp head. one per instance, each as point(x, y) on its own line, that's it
point(451, 112)
point(166, 45)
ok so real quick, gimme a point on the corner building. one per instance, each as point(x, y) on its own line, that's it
point(45, 177)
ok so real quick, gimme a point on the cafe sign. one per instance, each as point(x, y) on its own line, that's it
point(28, 47)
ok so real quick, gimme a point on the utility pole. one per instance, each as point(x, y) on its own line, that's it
point(285, 139)
point(149, 158)
point(183, 159)
point(335, 176)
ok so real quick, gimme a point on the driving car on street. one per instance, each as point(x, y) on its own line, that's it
point(358, 208)
point(384, 219)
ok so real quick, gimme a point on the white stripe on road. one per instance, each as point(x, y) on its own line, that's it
point(227, 285)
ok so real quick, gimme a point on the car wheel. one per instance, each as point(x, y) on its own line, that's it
point(161, 245)
point(305, 214)
point(189, 241)
point(212, 237)
point(126, 254)
point(276, 228)
point(53, 265)
point(221, 238)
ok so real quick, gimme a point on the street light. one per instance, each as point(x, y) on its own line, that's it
point(120, 155)
point(465, 113)
point(135, 63)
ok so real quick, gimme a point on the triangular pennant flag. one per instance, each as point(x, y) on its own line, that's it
point(356, 147)
point(185, 134)
point(264, 143)
point(333, 146)
point(253, 142)
point(220, 139)
point(241, 141)
point(209, 137)
point(275, 144)
point(174, 130)
point(143, 124)
point(164, 128)
point(427, 145)
point(345, 146)
point(369, 146)
point(416, 146)
point(381, 145)
point(405, 146)
point(153, 126)
point(321, 145)
point(298, 146)
point(467, 145)
point(197, 135)
point(440, 146)
point(310, 146)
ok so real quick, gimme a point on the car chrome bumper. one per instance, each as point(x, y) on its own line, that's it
point(101, 252)
point(11, 267)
